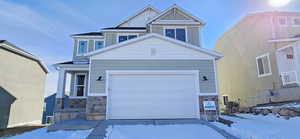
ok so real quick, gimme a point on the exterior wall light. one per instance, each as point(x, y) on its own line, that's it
point(99, 78)
point(204, 78)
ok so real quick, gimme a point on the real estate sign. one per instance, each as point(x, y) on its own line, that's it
point(209, 105)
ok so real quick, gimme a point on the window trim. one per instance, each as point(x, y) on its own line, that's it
point(74, 94)
point(293, 21)
point(98, 40)
point(269, 65)
point(126, 34)
point(286, 21)
point(176, 27)
point(87, 47)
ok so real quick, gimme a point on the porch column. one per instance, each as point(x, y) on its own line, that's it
point(60, 89)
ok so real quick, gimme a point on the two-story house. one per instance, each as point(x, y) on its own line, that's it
point(261, 61)
point(149, 66)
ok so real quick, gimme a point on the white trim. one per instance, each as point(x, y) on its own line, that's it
point(125, 30)
point(284, 40)
point(87, 37)
point(269, 64)
point(75, 86)
point(97, 94)
point(208, 94)
point(181, 43)
point(216, 77)
point(87, 47)
point(180, 10)
point(285, 47)
point(89, 81)
point(293, 21)
point(126, 34)
point(188, 72)
point(176, 27)
point(98, 40)
point(177, 22)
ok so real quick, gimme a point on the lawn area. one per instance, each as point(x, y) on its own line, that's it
point(262, 127)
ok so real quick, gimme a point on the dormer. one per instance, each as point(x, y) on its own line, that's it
point(177, 23)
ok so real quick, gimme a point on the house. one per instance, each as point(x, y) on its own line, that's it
point(22, 83)
point(149, 66)
point(261, 59)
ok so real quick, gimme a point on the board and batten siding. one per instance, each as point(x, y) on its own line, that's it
point(193, 33)
point(99, 68)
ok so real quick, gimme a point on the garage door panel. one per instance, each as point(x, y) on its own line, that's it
point(153, 96)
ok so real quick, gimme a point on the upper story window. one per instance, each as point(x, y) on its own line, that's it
point(296, 21)
point(263, 65)
point(176, 33)
point(124, 37)
point(282, 20)
point(82, 47)
point(98, 44)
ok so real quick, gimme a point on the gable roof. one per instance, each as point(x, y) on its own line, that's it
point(138, 13)
point(125, 28)
point(180, 9)
point(12, 48)
point(183, 44)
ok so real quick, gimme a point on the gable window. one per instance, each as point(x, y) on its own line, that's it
point(176, 33)
point(282, 20)
point(263, 65)
point(82, 47)
point(122, 38)
point(98, 44)
point(79, 86)
point(296, 21)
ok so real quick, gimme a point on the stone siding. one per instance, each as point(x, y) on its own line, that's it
point(77, 103)
point(96, 107)
point(208, 115)
point(67, 114)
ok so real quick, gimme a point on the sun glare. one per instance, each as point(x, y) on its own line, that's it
point(279, 3)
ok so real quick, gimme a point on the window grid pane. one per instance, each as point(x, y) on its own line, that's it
point(123, 38)
point(99, 45)
point(260, 66)
point(82, 48)
point(170, 33)
point(180, 34)
point(131, 37)
point(80, 85)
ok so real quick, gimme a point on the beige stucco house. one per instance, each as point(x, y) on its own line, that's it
point(261, 59)
point(22, 82)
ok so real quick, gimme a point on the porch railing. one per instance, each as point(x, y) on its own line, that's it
point(290, 77)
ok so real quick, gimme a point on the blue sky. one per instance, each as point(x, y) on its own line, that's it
point(43, 27)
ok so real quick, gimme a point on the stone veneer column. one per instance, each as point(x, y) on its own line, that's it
point(96, 107)
point(210, 115)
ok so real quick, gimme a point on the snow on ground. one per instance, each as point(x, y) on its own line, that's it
point(289, 105)
point(262, 127)
point(192, 131)
point(43, 134)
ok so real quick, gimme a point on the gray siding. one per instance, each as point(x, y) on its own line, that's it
point(82, 58)
point(205, 67)
point(193, 33)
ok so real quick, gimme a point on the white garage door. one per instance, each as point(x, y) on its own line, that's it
point(153, 95)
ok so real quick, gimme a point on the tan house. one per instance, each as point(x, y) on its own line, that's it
point(22, 82)
point(261, 61)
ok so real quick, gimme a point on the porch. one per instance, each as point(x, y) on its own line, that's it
point(288, 60)
point(71, 95)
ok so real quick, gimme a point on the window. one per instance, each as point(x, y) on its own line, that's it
point(296, 21)
point(79, 85)
point(282, 20)
point(263, 65)
point(126, 37)
point(82, 47)
point(176, 33)
point(98, 44)
point(225, 100)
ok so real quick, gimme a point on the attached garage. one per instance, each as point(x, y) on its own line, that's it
point(152, 94)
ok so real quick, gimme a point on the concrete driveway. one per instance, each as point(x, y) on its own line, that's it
point(158, 129)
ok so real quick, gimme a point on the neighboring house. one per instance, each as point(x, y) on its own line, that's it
point(22, 82)
point(49, 105)
point(150, 66)
point(261, 61)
